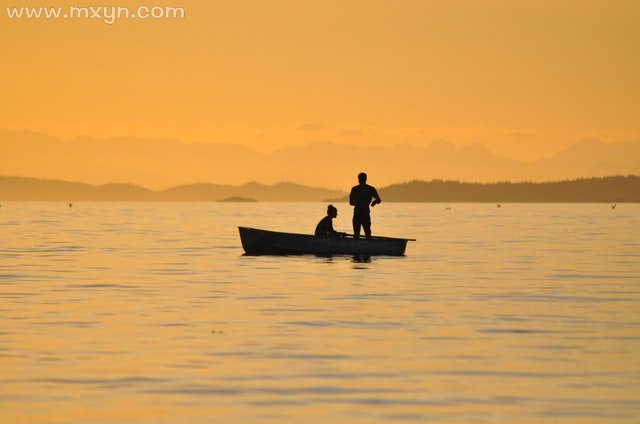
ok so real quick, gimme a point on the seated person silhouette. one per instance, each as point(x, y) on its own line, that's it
point(325, 226)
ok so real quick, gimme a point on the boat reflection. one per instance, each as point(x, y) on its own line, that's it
point(361, 259)
point(356, 259)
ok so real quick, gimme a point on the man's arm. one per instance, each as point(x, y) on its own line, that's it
point(352, 201)
point(330, 230)
point(334, 232)
point(376, 197)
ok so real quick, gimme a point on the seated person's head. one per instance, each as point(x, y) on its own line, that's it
point(332, 211)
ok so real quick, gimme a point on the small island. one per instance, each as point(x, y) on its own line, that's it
point(238, 199)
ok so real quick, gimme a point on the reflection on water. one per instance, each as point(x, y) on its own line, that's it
point(361, 259)
point(134, 312)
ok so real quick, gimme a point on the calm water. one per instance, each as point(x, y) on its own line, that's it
point(149, 312)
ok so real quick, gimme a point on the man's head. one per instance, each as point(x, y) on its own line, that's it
point(332, 211)
point(362, 178)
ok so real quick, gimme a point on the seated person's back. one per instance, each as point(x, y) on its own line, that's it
point(325, 226)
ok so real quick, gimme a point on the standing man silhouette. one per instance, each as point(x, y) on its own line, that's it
point(360, 197)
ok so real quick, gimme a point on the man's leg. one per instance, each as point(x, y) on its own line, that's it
point(366, 224)
point(356, 226)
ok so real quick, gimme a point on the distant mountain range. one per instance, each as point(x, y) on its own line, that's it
point(616, 189)
point(164, 163)
point(19, 188)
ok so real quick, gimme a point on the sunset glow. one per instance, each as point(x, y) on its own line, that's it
point(526, 79)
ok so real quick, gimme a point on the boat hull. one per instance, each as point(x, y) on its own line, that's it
point(263, 242)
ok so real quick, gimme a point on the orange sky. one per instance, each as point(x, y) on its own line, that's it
point(526, 78)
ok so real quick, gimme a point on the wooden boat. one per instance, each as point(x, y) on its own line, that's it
point(263, 242)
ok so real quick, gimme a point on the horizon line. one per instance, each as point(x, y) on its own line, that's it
point(324, 188)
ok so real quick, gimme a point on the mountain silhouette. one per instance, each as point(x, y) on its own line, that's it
point(20, 188)
point(608, 189)
point(616, 189)
point(164, 163)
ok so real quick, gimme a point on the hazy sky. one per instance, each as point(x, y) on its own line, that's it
point(526, 78)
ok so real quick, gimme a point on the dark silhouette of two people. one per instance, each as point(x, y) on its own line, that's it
point(325, 226)
point(360, 198)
